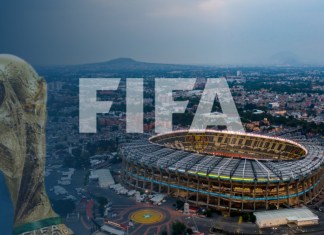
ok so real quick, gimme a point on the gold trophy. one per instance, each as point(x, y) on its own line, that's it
point(22, 148)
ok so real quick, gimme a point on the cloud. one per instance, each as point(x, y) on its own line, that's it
point(187, 8)
point(211, 5)
point(175, 31)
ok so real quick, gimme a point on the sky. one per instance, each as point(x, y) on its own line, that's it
point(236, 32)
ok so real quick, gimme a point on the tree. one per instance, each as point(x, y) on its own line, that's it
point(179, 204)
point(189, 231)
point(63, 207)
point(253, 218)
point(246, 217)
point(178, 228)
point(209, 213)
point(102, 201)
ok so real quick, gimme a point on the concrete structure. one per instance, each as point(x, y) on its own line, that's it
point(58, 190)
point(274, 105)
point(227, 170)
point(299, 216)
point(104, 177)
point(99, 233)
point(138, 196)
point(186, 208)
point(111, 230)
point(158, 198)
point(66, 177)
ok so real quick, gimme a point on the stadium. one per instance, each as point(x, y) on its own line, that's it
point(227, 171)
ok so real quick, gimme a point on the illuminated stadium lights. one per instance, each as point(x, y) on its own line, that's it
point(199, 142)
point(226, 170)
point(235, 133)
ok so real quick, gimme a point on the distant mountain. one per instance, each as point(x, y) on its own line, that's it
point(123, 67)
point(127, 64)
point(285, 58)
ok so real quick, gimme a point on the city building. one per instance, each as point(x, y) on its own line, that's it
point(298, 216)
point(103, 176)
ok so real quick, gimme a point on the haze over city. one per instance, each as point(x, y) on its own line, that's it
point(186, 31)
point(171, 117)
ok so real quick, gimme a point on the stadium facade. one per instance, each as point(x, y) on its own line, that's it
point(227, 170)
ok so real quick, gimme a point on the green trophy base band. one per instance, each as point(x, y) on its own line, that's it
point(36, 225)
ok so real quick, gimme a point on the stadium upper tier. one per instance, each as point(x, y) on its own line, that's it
point(227, 155)
point(232, 144)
